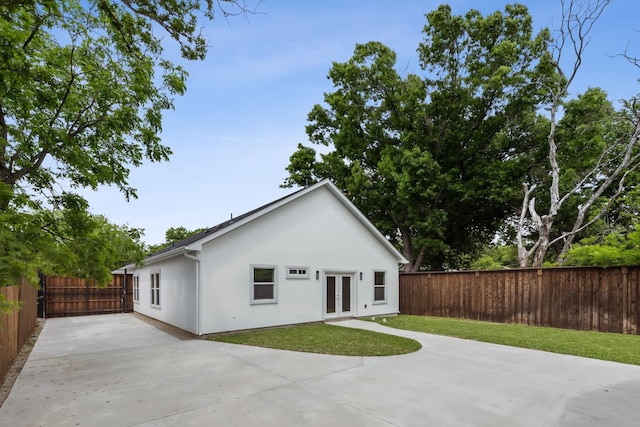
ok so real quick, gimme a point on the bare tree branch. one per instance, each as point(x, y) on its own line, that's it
point(578, 20)
point(628, 164)
point(35, 163)
point(523, 253)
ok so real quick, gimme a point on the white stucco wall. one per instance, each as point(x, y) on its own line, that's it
point(315, 230)
point(177, 292)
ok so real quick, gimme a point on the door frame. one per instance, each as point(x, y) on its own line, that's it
point(354, 303)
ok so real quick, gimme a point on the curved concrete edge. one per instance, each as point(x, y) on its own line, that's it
point(118, 370)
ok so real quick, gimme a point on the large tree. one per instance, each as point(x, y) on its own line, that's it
point(604, 141)
point(432, 159)
point(83, 86)
point(66, 241)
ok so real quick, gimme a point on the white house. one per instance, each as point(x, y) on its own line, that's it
point(310, 256)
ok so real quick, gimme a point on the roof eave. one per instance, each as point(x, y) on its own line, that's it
point(365, 221)
point(197, 245)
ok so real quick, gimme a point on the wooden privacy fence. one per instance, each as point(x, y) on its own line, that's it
point(584, 298)
point(16, 327)
point(70, 296)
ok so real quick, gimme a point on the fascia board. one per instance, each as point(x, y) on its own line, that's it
point(363, 219)
point(165, 255)
point(197, 246)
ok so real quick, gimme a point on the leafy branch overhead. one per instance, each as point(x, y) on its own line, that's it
point(83, 87)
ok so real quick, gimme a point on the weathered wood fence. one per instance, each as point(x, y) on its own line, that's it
point(589, 298)
point(16, 327)
point(70, 296)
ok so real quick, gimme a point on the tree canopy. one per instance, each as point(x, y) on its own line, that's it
point(83, 86)
point(432, 159)
point(615, 248)
point(591, 150)
point(65, 242)
point(173, 235)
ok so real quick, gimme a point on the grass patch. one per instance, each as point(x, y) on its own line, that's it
point(325, 339)
point(597, 345)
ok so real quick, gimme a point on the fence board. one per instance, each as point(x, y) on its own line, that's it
point(584, 298)
point(16, 327)
point(70, 296)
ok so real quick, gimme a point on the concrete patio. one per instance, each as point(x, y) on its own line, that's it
point(118, 370)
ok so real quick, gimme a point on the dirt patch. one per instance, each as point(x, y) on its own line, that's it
point(165, 327)
point(18, 363)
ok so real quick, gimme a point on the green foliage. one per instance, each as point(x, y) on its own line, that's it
point(173, 235)
point(23, 245)
point(432, 160)
point(325, 339)
point(589, 127)
point(623, 215)
point(8, 306)
point(67, 241)
point(97, 250)
point(597, 345)
point(617, 248)
point(89, 101)
point(496, 257)
point(83, 86)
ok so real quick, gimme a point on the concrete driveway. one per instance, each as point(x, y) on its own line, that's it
point(118, 370)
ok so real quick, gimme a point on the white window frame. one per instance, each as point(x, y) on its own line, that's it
point(155, 289)
point(136, 289)
point(377, 286)
point(297, 272)
point(273, 300)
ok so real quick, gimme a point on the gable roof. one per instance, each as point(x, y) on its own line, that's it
point(195, 242)
point(201, 235)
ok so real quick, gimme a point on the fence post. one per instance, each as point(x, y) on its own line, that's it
point(539, 298)
point(123, 301)
point(42, 296)
point(625, 300)
point(86, 296)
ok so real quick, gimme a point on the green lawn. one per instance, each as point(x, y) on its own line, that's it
point(597, 345)
point(325, 339)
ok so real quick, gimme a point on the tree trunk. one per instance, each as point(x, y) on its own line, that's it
point(538, 258)
point(407, 250)
point(418, 262)
point(577, 22)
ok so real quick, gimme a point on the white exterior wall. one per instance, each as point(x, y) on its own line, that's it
point(316, 231)
point(177, 292)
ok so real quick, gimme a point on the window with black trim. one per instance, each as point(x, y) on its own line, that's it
point(297, 272)
point(136, 289)
point(379, 287)
point(155, 290)
point(263, 284)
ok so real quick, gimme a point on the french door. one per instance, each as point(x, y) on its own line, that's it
point(338, 294)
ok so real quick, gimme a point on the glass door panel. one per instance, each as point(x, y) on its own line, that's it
point(346, 294)
point(331, 294)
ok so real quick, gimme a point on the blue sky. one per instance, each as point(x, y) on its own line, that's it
point(246, 105)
